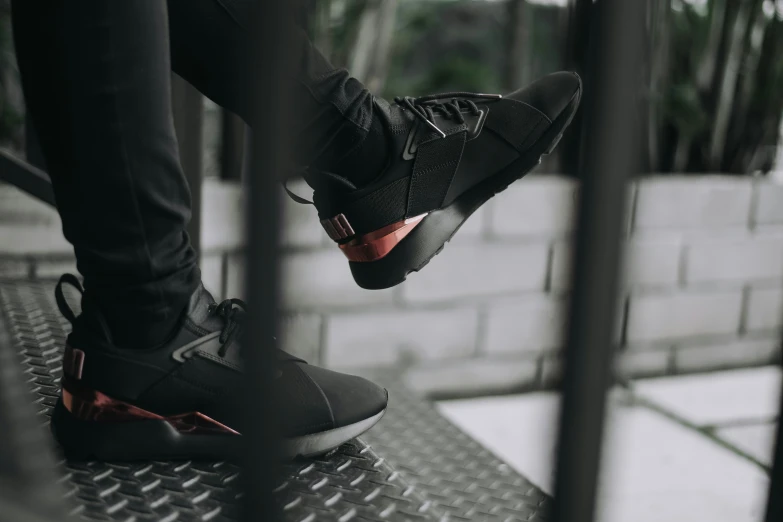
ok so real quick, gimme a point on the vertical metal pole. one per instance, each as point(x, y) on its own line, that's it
point(271, 47)
point(580, 20)
point(232, 146)
point(188, 108)
point(608, 159)
point(775, 498)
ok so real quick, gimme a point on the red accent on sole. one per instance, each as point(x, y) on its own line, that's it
point(91, 405)
point(376, 245)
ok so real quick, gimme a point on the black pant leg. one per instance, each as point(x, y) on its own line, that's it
point(96, 79)
point(210, 48)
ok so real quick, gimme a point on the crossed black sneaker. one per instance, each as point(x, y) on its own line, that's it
point(450, 154)
point(183, 400)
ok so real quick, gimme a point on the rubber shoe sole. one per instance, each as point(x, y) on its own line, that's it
point(159, 440)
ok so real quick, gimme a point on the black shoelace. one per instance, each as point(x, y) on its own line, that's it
point(425, 107)
point(232, 311)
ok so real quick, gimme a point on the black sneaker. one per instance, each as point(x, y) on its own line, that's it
point(452, 152)
point(183, 400)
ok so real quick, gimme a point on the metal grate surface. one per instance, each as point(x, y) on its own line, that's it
point(429, 469)
point(460, 476)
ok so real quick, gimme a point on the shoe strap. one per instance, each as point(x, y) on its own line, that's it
point(298, 199)
point(59, 296)
point(96, 320)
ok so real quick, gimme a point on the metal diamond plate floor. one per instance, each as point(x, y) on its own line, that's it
point(414, 466)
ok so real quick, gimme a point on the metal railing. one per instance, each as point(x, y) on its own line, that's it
point(608, 158)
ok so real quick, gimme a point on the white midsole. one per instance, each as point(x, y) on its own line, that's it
point(319, 443)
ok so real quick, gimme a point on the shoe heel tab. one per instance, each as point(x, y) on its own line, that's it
point(96, 321)
point(59, 296)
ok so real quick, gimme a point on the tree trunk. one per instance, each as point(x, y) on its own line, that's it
point(364, 46)
point(581, 15)
point(682, 153)
point(708, 63)
point(379, 68)
point(746, 89)
point(518, 62)
point(322, 37)
point(728, 84)
point(659, 68)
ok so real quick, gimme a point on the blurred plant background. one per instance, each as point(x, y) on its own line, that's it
point(712, 82)
point(11, 102)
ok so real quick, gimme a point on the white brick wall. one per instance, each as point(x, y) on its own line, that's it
point(676, 315)
point(752, 259)
point(653, 262)
point(560, 266)
point(538, 205)
point(317, 279)
point(222, 222)
point(399, 337)
point(769, 204)
point(323, 279)
point(212, 274)
point(765, 309)
point(703, 280)
point(301, 336)
point(703, 201)
point(303, 227)
point(649, 262)
point(532, 324)
point(466, 270)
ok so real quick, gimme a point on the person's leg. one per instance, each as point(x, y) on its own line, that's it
point(96, 79)
point(393, 182)
point(96, 75)
point(333, 112)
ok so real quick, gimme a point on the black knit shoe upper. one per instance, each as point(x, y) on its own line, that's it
point(457, 148)
point(197, 372)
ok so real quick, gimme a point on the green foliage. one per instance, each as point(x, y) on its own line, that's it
point(717, 89)
point(714, 92)
point(11, 118)
point(445, 46)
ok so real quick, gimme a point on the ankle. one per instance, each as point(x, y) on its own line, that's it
point(119, 327)
point(365, 158)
